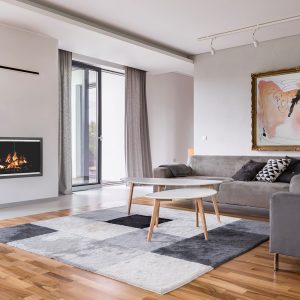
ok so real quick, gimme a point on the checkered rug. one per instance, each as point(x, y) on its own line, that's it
point(113, 244)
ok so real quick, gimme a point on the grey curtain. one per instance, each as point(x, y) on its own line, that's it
point(64, 152)
point(137, 141)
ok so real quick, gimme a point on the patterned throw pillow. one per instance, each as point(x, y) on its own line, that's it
point(272, 169)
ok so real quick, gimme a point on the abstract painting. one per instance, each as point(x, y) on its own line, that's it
point(276, 110)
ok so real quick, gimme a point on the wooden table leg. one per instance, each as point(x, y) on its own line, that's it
point(157, 216)
point(131, 187)
point(215, 204)
point(153, 218)
point(197, 213)
point(159, 189)
point(203, 220)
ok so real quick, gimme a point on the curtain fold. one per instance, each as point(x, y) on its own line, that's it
point(65, 145)
point(137, 141)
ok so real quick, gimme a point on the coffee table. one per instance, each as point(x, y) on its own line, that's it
point(163, 182)
point(195, 194)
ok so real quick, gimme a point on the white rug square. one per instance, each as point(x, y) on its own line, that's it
point(156, 273)
point(64, 223)
point(55, 244)
point(95, 259)
point(102, 230)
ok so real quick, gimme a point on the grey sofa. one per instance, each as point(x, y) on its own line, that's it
point(251, 193)
point(284, 223)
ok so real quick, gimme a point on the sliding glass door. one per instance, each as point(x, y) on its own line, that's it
point(98, 112)
point(86, 132)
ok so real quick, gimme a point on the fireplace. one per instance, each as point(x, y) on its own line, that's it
point(20, 157)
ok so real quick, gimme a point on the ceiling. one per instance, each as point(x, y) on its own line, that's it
point(178, 23)
point(156, 35)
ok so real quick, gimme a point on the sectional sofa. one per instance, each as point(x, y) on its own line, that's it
point(243, 193)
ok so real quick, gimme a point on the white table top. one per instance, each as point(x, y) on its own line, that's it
point(172, 181)
point(185, 193)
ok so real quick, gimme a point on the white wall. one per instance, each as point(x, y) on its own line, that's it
point(223, 94)
point(29, 107)
point(170, 113)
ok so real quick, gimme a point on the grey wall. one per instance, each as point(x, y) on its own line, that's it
point(170, 110)
point(222, 102)
point(29, 107)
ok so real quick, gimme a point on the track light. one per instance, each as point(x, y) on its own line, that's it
point(255, 42)
point(212, 49)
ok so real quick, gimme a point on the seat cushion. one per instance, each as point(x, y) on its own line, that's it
point(250, 193)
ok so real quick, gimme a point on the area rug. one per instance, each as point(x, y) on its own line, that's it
point(113, 244)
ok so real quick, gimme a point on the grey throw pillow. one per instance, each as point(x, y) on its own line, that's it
point(248, 171)
point(179, 170)
point(272, 169)
point(292, 170)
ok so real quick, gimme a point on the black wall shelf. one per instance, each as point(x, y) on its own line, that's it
point(19, 70)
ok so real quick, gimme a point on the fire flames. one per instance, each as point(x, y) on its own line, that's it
point(13, 161)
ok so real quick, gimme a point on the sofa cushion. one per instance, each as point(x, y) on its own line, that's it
point(248, 171)
point(250, 193)
point(273, 169)
point(179, 170)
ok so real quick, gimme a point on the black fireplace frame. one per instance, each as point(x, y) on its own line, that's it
point(41, 156)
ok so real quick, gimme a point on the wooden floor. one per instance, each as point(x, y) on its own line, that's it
point(250, 276)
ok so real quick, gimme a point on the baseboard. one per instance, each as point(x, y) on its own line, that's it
point(27, 202)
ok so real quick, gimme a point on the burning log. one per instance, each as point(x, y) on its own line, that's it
point(13, 161)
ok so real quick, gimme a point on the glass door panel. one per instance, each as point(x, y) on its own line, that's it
point(85, 142)
point(113, 114)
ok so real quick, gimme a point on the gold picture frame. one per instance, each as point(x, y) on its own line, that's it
point(276, 110)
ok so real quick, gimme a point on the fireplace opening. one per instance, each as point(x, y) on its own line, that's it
point(20, 157)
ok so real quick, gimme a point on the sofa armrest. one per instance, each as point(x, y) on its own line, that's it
point(162, 172)
point(285, 223)
point(295, 184)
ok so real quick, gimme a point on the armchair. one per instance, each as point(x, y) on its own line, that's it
point(285, 222)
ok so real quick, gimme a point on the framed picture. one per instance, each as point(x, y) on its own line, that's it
point(276, 110)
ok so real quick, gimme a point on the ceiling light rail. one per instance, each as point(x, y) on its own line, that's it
point(248, 28)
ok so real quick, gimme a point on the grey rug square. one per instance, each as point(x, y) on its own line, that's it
point(250, 226)
point(99, 242)
point(138, 240)
point(223, 244)
point(102, 215)
point(23, 231)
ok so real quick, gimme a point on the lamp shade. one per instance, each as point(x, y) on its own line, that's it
point(191, 152)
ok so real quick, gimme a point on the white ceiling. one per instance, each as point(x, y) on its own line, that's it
point(178, 23)
point(92, 41)
point(155, 35)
